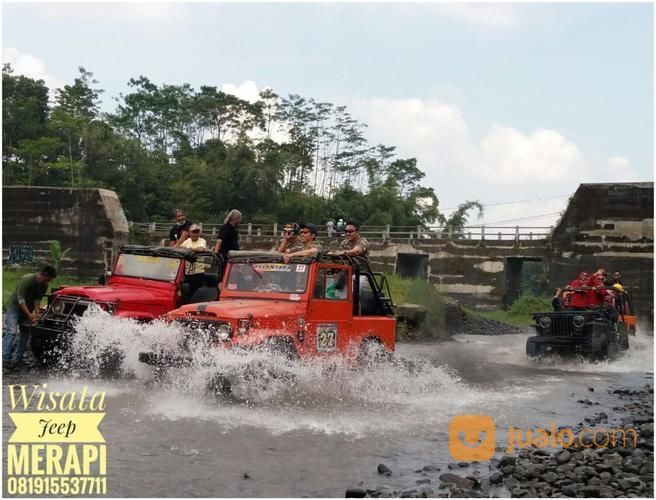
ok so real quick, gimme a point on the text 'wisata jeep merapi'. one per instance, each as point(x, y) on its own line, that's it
point(145, 283)
point(307, 307)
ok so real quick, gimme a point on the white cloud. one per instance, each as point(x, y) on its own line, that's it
point(29, 65)
point(619, 169)
point(540, 168)
point(508, 155)
point(247, 91)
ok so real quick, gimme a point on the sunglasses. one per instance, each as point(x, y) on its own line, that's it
point(196, 231)
point(350, 231)
point(306, 232)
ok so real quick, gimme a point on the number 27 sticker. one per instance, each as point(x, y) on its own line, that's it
point(326, 337)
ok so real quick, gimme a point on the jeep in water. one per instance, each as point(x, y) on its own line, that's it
point(146, 282)
point(595, 333)
point(310, 307)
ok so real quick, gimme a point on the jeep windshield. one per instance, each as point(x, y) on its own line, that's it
point(147, 267)
point(267, 277)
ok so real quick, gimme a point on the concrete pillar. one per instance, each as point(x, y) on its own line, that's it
point(516, 233)
point(250, 229)
point(482, 232)
point(275, 229)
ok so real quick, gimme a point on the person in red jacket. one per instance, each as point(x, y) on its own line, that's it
point(597, 283)
point(578, 287)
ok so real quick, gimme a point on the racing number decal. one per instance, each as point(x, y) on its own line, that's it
point(326, 337)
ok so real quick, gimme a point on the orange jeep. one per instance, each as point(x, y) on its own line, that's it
point(311, 307)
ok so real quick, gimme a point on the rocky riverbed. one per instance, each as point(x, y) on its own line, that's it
point(620, 468)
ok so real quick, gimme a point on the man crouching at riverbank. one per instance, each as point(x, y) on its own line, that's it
point(23, 311)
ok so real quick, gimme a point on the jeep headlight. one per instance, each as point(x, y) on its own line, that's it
point(545, 322)
point(578, 321)
point(223, 332)
point(58, 307)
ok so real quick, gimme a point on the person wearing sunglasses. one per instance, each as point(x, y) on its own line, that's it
point(308, 237)
point(353, 244)
point(291, 241)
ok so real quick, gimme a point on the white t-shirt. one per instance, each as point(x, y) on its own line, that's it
point(195, 267)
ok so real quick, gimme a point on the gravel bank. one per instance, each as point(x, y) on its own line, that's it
point(578, 471)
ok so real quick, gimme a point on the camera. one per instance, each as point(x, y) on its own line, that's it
point(295, 229)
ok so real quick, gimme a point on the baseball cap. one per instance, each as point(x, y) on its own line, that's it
point(311, 227)
point(194, 227)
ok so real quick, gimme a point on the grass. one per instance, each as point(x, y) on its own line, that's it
point(11, 277)
point(520, 313)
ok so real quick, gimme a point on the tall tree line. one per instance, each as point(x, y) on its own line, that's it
point(166, 146)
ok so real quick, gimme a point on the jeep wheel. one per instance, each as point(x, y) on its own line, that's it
point(622, 336)
point(219, 387)
point(47, 350)
point(372, 352)
point(110, 363)
point(600, 346)
point(281, 346)
point(534, 348)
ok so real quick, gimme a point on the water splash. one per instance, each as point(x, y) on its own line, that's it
point(327, 395)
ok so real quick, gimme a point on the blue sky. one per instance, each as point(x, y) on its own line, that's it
point(499, 102)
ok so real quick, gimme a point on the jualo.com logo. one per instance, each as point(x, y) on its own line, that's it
point(473, 437)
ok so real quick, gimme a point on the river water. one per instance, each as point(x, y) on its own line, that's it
point(329, 429)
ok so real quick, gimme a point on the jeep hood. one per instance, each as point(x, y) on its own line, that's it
point(261, 310)
point(123, 294)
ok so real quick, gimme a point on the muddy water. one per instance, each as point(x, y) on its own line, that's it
point(331, 428)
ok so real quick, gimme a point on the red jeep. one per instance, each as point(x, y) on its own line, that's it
point(310, 307)
point(146, 283)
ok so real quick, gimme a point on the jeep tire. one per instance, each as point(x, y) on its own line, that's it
point(47, 350)
point(534, 347)
point(600, 345)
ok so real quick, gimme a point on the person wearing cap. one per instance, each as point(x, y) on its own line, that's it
point(194, 243)
point(308, 237)
point(179, 232)
point(291, 241)
point(353, 244)
point(195, 271)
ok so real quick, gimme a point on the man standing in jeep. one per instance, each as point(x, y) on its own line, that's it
point(354, 245)
point(24, 304)
point(311, 246)
point(180, 230)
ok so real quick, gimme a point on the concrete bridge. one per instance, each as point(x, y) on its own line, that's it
point(604, 225)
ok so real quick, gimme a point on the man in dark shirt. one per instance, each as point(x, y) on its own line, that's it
point(229, 234)
point(180, 230)
point(23, 310)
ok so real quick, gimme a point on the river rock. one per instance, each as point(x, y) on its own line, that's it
point(496, 477)
point(425, 492)
point(569, 490)
point(431, 468)
point(384, 469)
point(355, 493)
point(423, 481)
point(409, 493)
point(507, 460)
point(461, 482)
point(520, 493)
point(550, 477)
point(589, 491)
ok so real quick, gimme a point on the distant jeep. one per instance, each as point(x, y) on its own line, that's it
point(589, 333)
point(146, 283)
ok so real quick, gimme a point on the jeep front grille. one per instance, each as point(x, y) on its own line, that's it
point(562, 325)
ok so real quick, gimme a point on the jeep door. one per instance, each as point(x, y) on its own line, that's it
point(330, 310)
